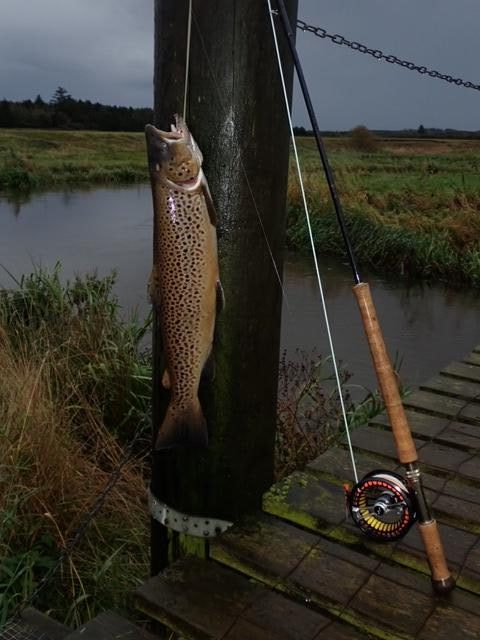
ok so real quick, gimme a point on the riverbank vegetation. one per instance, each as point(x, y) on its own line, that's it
point(412, 205)
point(74, 393)
point(40, 159)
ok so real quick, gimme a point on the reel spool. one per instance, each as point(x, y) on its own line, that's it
point(381, 505)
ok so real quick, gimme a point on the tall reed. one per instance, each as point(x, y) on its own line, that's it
point(70, 383)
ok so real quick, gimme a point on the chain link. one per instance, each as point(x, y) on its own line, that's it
point(379, 55)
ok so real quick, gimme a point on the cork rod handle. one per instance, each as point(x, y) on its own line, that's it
point(404, 443)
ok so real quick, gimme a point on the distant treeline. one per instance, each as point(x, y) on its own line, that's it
point(65, 112)
point(421, 132)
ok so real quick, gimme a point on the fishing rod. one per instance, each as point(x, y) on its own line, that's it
point(383, 505)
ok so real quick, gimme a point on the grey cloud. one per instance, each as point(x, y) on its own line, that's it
point(103, 50)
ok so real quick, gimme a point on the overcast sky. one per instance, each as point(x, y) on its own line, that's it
point(102, 50)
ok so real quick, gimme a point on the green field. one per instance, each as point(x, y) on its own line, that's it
point(41, 159)
point(412, 206)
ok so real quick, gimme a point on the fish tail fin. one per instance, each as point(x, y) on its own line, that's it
point(186, 427)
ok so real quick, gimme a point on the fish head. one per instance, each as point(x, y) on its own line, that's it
point(174, 155)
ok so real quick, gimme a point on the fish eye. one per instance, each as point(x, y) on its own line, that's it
point(163, 146)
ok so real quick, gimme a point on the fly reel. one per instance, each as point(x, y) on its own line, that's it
point(381, 506)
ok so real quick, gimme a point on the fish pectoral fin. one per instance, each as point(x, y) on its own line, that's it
point(220, 298)
point(208, 371)
point(212, 214)
point(187, 427)
point(166, 384)
point(154, 287)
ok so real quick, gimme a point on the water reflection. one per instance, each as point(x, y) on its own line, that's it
point(112, 229)
point(427, 325)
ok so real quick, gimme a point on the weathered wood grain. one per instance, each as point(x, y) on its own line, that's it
point(109, 626)
point(472, 358)
point(201, 599)
point(378, 441)
point(449, 623)
point(440, 429)
point(54, 630)
point(463, 370)
point(454, 387)
point(435, 404)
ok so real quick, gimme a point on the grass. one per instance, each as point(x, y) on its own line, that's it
point(412, 207)
point(72, 390)
point(39, 159)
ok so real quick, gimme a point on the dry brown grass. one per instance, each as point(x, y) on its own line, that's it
point(56, 456)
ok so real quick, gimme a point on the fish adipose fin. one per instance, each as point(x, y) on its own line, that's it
point(186, 428)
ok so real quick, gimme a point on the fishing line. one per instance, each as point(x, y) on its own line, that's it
point(187, 61)
point(244, 172)
point(312, 243)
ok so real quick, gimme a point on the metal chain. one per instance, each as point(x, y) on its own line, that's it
point(379, 55)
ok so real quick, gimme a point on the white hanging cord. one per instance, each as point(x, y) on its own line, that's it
point(312, 243)
point(187, 61)
point(244, 172)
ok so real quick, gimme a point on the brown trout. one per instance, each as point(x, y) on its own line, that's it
point(184, 284)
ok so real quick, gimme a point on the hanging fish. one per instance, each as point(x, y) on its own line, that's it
point(184, 284)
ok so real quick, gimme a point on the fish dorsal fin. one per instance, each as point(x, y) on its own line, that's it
point(212, 214)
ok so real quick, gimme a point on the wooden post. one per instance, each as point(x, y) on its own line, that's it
point(236, 114)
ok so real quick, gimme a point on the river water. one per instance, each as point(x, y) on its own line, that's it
point(105, 229)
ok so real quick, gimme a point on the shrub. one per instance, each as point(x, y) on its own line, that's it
point(362, 139)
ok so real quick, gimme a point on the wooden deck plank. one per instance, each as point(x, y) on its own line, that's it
point(443, 430)
point(435, 404)
point(454, 387)
point(421, 424)
point(458, 544)
point(54, 630)
point(378, 441)
point(201, 599)
point(444, 406)
point(463, 370)
point(471, 468)
point(289, 545)
point(282, 618)
point(443, 458)
point(406, 610)
point(470, 571)
point(109, 626)
point(295, 501)
point(330, 576)
point(449, 624)
point(472, 358)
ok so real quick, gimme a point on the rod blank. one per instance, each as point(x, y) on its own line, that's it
point(442, 580)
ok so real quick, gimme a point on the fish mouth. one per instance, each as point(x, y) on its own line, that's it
point(178, 131)
point(189, 182)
